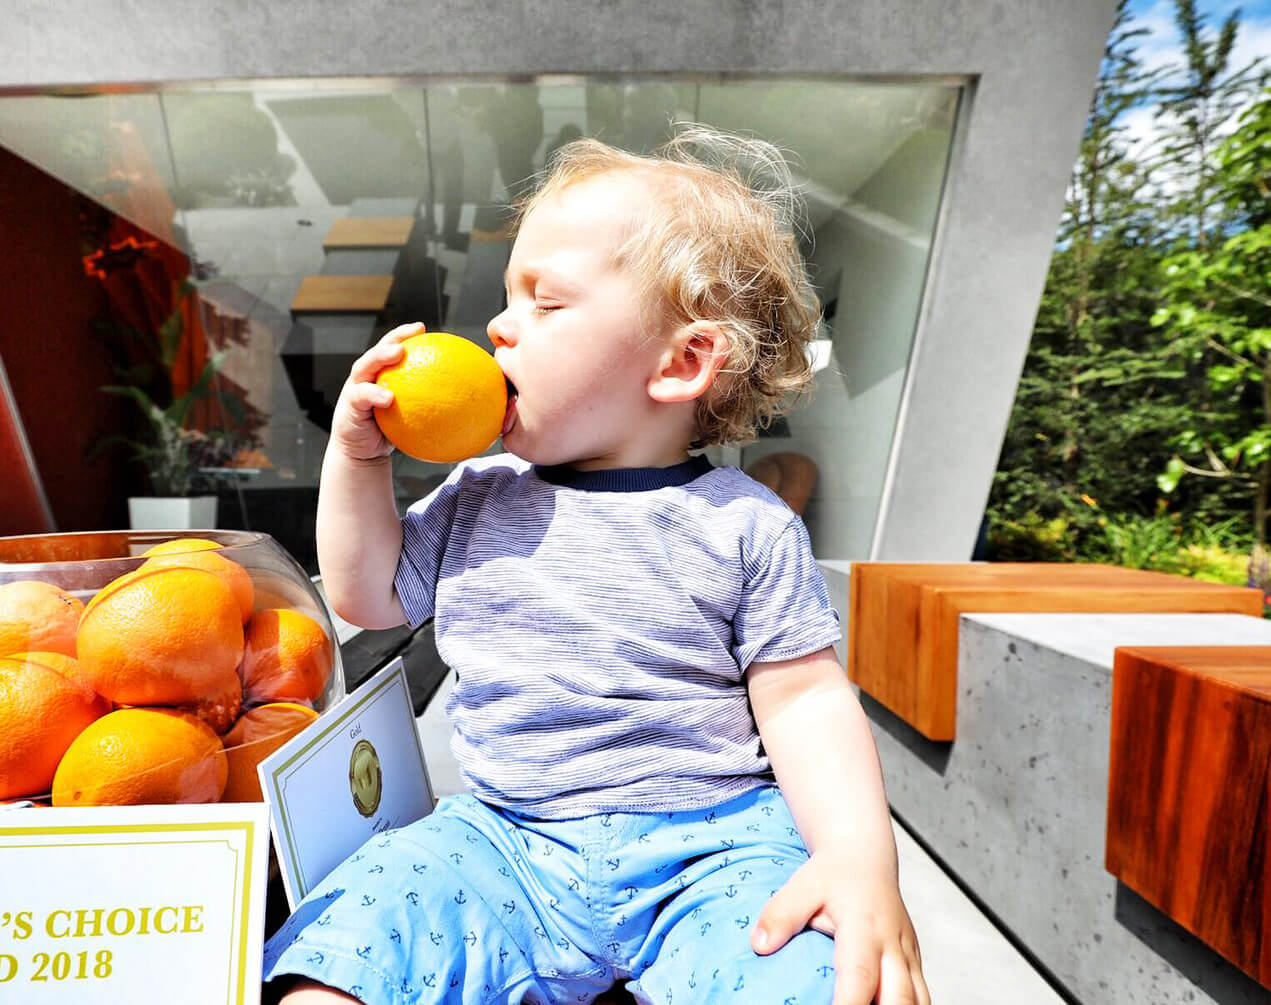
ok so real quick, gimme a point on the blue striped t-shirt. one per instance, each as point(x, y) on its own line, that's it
point(600, 624)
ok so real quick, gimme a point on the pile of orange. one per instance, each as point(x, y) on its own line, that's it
point(170, 685)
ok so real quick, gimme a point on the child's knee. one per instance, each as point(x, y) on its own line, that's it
point(308, 992)
point(802, 970)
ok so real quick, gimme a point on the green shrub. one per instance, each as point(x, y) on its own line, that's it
point(1215, 552)
point(1213, 565)
point(1032, 539)
point(1138, 542)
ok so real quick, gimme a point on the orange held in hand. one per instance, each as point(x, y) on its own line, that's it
point(37, 616)
point(288, 657)
point(449, 398)
point(163, 635)
point(43, 708)
point(142, 755)
point(256, 735)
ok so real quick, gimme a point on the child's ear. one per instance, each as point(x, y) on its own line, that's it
point(689, 365)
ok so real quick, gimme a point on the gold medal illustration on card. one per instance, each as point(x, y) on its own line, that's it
point(366, 780)
point(357, 771)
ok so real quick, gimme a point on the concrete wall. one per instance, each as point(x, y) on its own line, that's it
point(1016, 807)
point(1030, 64)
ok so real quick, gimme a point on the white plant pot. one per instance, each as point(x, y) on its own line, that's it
point(171, 513)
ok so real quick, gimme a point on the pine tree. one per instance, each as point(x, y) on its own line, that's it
point(1139, 363)
point(1194, 109)
point(1216, 307)
point(1091, 414)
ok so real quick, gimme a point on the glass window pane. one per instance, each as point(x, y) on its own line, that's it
point(210, 223)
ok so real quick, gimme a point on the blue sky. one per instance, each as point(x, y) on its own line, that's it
point(1161, 45)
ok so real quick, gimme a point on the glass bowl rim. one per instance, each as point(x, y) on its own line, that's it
point(227, 541)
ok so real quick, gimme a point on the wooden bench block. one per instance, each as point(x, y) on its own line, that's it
point(903, 638)
point(1189, 804)
point(342, 294)
point(369, 232)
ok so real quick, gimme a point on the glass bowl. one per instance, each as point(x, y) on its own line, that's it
point(154, 666)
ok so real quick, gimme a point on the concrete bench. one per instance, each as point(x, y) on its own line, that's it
point(1016, 808)
point(368, 232)
point(904, 617)
point(342, 294)
point(1189, 814)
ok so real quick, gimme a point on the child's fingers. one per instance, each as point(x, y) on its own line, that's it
point(787, 913)
point(354, 429)
point(922, 994)
point(913, 962)
point(823, 923)
point(913, 950)
point(367, 395)
point(856, 971)
point(383, 353)
point(403, 331)
point(896, 984)
point(387, 351)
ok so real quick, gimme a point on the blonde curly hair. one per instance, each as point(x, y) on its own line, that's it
point(719, 246)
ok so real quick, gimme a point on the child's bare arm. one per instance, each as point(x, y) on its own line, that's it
point(818, 740)
point(358, 530)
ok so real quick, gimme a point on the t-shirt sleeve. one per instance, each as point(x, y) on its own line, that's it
point(785, 610)
point(425, 532)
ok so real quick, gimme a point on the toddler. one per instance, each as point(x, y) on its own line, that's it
point(671, 782)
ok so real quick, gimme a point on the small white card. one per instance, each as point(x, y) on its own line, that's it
point(125, 904)
point(355, 771)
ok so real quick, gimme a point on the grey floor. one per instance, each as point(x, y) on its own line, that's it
point(966, 960)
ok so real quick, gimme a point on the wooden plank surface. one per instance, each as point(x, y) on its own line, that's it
point(341, 294)
point(369, 232)
point(1189, 805)
point(904, 619)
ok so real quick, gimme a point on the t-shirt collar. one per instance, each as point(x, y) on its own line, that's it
point(625, 479)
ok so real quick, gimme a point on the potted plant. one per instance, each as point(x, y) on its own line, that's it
point(178, 460)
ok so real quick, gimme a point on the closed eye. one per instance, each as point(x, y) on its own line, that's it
point(546, 308)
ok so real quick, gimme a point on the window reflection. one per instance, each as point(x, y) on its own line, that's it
point(287, 225)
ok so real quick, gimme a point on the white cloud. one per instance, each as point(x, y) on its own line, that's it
point(1161, 47)
point(1253, 41)
point(1141, 128)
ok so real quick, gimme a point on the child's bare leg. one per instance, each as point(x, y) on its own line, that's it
point(307, 992)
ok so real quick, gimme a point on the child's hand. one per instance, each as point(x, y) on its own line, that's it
point(354, 431)
point(876, 957)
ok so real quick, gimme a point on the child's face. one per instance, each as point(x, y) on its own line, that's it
point(578, 339)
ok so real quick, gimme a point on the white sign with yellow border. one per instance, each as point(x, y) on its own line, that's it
point(354, 772)
point(127, 904)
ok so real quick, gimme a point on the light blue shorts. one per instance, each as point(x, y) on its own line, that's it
point(474, 904)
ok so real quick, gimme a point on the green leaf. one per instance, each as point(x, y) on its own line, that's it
point(170, 332)
point(1167, 481)
point(179, 410)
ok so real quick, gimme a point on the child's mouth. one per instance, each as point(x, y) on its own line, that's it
point(509, 417)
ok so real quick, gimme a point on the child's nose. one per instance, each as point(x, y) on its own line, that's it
point(500, 330)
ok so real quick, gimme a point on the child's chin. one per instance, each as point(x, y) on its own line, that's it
point(519, 445)
point(516, 445)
